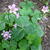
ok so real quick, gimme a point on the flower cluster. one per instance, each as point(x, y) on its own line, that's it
point(14, 10)
point(6, 35)
point(45, 9)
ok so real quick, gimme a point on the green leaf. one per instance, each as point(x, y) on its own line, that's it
point(8, 18)
point(36, 48)
point(18, 34)
point(39, 30)
point(29, 29)
point(28, 4)
point(23, 44)
point(12, 45)
point(1, 47)
point(23, 12)
point(1, 16)
point(30, 38)
point(37, 27)
point(12, 18)
point(37, 40)
point(23, 21)
point(33, 39)
point(2, 25)
point(26, 12)
point(37, 14)
point(22, 49)
point(5, 44)
point(22, 4)
point(11, 48)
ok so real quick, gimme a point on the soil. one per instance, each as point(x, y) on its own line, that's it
point(46, 38)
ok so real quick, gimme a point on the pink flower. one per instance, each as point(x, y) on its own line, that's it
point(17, 15)
point(13, 8)
point(6, 35)
point(45, 9)
point(15, 25)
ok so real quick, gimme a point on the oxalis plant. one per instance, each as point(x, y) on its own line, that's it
point(19, 27)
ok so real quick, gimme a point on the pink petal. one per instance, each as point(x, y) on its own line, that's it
point(46, 7)
point(16, 9)
point(13, 5)
point(10, 7)
point(5, 38)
